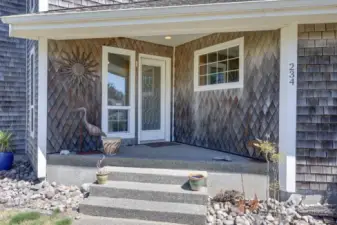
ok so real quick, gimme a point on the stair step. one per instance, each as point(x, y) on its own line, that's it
point(150, 192)
point(94, 220)
point(150, 175)
point(144, 210)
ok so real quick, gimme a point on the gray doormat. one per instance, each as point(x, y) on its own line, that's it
point(161, 144)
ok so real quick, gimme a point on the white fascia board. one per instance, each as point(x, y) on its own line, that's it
point(169, 11)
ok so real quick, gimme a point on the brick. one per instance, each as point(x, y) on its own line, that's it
point(328, 35)
point(301, 28)
point(320, 43)
point(320, 27)
point(315, 35)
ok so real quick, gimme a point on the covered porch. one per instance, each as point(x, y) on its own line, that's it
point(262, 101)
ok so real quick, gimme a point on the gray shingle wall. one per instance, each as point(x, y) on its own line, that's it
point(317, 108)
point(32, 140)
point(12, 77)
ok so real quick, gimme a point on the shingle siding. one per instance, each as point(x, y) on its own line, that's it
point(32, 141)
point(317, 108)
point(12, 77)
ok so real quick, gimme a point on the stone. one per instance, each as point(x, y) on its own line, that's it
point(85, 187)
point(294, 199)
point(35, 196)
point(216, 206)
point(53, 184)
point(270, 217)
point(228, 222)
point(210, 219)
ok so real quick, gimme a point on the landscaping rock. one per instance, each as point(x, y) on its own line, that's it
point(20, 188)
point(270, 212)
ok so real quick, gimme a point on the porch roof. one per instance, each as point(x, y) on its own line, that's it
point(172, 20)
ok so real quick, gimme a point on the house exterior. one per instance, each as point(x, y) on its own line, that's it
point(12, 78)
point(211, 74)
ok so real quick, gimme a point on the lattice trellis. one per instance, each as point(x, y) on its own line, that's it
point(228, 119)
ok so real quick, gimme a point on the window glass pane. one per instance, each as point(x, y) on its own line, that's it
point(202, 80)
point(212, 79)
point(222, 66)
point(118, 80)
point(212, 68)
point(212, 57)
point(202, 59)
point(117, 120)
point(233, 52)
point(151, 104)
point(220, 78)
point(31, 79)
point(203, 70)
point(222, 55)
point(31, 119)
point(233, 76)
point(233, 64)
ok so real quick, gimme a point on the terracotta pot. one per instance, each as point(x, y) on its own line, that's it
point(102, 178)
point(196, 181)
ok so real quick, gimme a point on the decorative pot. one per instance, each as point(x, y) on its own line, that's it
point(111, 145)
point(102, 178)
point(6, 160)
point(196, 181)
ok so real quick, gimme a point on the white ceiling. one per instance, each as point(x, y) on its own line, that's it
point(174, 41)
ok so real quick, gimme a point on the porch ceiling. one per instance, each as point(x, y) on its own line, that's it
point(174, 20)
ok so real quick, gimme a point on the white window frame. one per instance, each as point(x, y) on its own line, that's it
point(31, 84)
point(105, 107)
point(236, 42)
point(31, 5)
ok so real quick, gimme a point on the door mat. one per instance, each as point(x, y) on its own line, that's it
point(161, 144)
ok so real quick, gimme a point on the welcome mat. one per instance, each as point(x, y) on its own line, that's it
point(161, 144)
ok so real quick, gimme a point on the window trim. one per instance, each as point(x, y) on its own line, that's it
point(236, 42)
point(32, 5)
point(31, 84)
point(105, 107)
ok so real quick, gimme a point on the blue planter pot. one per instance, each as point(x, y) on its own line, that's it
point(6, 160)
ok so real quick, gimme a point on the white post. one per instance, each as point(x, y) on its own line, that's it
point(287, 112)
point(42, 107)
point(43, 5)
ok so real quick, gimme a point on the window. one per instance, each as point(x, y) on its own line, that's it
point(219, 66)
point(31, 83)
point(118, 112)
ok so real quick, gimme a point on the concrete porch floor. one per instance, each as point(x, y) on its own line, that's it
point(79, 169)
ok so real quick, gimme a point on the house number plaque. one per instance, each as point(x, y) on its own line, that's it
point(292, 73)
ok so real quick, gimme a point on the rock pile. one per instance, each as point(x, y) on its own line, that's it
point(19, 188)
point(271, 212)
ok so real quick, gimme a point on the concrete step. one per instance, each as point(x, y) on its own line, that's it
point(150, 192)
point(150, 175)
point(94, 220)
point(144, 210)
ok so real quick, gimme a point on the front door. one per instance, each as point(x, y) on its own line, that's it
point(152, 99)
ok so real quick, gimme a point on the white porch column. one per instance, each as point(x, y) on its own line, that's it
point(42, 107)
point(287, 116)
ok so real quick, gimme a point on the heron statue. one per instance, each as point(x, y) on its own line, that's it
point(92, 129)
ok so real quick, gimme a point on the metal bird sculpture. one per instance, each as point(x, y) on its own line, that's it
point(92, 129)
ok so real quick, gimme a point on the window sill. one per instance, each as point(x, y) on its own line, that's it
point(218, 87)
point(123, 135)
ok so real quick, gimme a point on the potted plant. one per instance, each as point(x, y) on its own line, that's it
point(196, 181)
point(6, 154)
point(102, 172)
